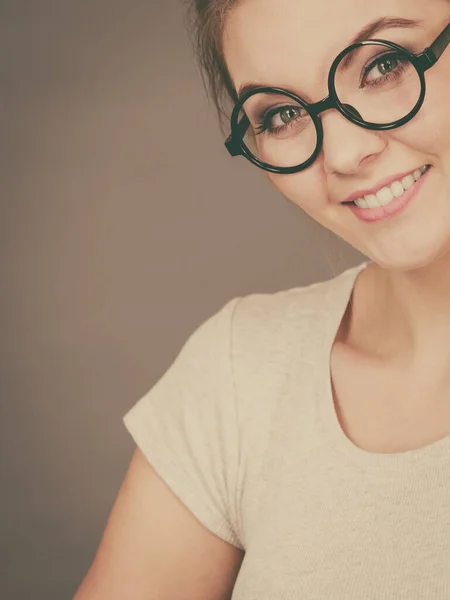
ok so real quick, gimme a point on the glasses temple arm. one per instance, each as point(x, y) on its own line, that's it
point(434, 52)
point(233, 144)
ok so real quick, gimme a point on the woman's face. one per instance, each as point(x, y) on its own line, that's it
point(291, 44)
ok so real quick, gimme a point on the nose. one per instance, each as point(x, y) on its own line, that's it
point(347, 147)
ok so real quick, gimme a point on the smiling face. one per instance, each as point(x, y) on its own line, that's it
point(291, 44)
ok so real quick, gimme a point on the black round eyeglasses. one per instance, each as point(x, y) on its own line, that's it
point(375, 84)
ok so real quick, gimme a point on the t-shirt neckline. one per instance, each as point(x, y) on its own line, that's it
point(340, 293)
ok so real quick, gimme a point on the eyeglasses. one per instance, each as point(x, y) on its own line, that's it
point(375, 84)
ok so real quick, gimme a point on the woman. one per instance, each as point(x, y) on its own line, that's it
point(299, 446)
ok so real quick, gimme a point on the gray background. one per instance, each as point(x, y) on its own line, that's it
point(124, 225)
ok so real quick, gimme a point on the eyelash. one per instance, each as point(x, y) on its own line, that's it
point(386, 78)
point(262, 124)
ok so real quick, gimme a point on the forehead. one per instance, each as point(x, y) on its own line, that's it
point(271, 41)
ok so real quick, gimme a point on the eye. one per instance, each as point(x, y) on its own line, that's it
point(383, 67)
point(286, 115)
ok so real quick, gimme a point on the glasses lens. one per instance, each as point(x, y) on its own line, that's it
point(281, 131)
point(377, 84)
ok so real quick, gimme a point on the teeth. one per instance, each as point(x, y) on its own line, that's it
point(389, 193)
point(384, 196)
point(407, 182)
point(397, 189)
point(370, 201)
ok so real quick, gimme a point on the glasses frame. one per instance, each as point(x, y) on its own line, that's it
point(422, 62)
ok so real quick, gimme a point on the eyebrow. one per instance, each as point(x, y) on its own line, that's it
point(366, 33)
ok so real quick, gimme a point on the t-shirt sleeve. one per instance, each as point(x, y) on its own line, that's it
point(187, 426)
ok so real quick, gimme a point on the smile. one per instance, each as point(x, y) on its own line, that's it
point(390, 200)
point(389, 193)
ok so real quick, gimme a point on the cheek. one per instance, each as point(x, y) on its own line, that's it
point(429, 130)
point(436, 133)
point(306, 189)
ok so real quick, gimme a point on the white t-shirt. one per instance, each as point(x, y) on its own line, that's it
point(243, 429)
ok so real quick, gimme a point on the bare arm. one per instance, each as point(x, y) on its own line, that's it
point(153, 548)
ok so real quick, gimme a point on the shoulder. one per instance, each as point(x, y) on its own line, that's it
point(259, 325)
point(272, 312)
point(267, 322)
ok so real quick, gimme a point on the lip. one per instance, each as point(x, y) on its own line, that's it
point(396, 207)
point(386, 182)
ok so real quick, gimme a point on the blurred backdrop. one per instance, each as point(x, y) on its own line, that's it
point(124, 225)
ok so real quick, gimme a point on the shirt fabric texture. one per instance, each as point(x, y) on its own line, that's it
point(242, 427)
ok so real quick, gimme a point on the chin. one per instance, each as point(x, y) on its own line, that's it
point(412, 261)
